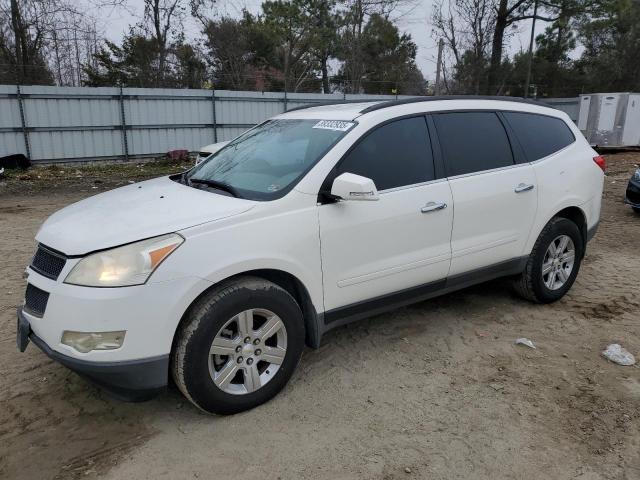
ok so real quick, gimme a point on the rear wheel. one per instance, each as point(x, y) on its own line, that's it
point(238, 346)
point(553, 264)
point(636, 209)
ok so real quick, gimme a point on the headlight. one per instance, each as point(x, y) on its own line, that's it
point(636, 176)
point(128, 265)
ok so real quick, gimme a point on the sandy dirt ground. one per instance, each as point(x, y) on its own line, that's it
point(437, 390)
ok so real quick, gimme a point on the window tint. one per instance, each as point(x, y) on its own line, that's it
point(539, 135)
point(472, 142)
point(394, 155)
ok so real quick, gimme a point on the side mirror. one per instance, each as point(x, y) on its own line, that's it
point(350, 186)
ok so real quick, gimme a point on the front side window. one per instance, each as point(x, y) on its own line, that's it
point(393, 155)
point(539, 135)
point(268, 160)
point(472, 142)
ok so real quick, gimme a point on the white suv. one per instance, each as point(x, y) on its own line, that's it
point(312, 219)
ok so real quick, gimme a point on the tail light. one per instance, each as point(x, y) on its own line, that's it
point(601, 162)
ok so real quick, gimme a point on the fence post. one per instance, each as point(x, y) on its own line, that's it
point(123, 125)
point(285, 100)
point(23, 122)
point(215, 122)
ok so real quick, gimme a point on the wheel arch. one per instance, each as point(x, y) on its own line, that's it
point(284, 280)
point(577, 216)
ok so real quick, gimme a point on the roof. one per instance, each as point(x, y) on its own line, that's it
point(344, 110)
point(349, 110)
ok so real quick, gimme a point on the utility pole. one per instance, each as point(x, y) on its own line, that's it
point(439, 66)
point(530, 59)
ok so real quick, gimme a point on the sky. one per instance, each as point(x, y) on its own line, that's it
point(414, 18)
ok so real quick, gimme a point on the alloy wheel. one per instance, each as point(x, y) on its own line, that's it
point(558, 262)
point(247, 351)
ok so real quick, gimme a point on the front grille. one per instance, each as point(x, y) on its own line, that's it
point(35, 301)
point(48, 262)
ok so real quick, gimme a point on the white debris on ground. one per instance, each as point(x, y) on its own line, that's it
point(526, 342)
point(619, 355)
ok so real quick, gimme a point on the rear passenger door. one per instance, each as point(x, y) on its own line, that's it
point(494, 196)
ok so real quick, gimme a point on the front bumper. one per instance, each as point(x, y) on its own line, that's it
point(132, 380)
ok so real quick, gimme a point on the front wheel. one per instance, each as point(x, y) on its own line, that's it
point(238, 346)
point(553, 264)
point(637, 210)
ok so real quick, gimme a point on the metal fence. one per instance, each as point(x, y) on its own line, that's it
point(66, 124)
point(570, 106)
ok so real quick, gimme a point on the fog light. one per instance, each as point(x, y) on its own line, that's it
point(87, 341)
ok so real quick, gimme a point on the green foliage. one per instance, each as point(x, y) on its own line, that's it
point(135, 64)
point(389, 59)
point(611, 57)
point(379, 60)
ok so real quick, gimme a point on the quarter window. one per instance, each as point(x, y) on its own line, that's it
point(539, 135)
point(393, 155)
point(472, 142)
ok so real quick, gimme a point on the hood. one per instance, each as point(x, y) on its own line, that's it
point(135, 212)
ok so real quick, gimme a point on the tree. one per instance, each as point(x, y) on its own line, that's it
point(189, 69)
point(467, 28)
point(291, 23)
point(24, 26)
point(611, 40)
point(507, 14)
point(324, 36)
point(389, 59)
point(160, 16)
point(240, 51)
point(128, 65)
point(353, 18)
point(135, 64)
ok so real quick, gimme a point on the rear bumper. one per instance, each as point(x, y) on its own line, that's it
point(132, 380)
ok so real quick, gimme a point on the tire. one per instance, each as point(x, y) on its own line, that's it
point(637, 210)
point(220, 314)
point(532, 284)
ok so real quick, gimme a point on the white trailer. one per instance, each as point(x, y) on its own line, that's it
point(610, 119)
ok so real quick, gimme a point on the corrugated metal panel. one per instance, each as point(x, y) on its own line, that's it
point(11, 143)
point(570, 106)
point(11, 136)
point(67, 123)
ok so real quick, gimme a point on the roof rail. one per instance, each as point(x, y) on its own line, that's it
point(337, 102)
point(403, 101)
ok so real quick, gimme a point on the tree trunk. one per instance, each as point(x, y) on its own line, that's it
point(496, 47)
point(325, 76)
point(161, 42)
point(16, 24)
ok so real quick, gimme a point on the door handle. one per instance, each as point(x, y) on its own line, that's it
point(433, 206)
point(523, 187)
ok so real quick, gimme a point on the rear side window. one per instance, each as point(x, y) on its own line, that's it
point(393, 155)
point(472, 142)
point(539, 135)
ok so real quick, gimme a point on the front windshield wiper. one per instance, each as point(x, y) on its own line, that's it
point(215, 184)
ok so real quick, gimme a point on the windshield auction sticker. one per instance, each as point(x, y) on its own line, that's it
point(334, 125)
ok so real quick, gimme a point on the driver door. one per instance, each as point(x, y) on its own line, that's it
point(403, 240)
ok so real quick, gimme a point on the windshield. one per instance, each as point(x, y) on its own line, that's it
point(268, 160)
